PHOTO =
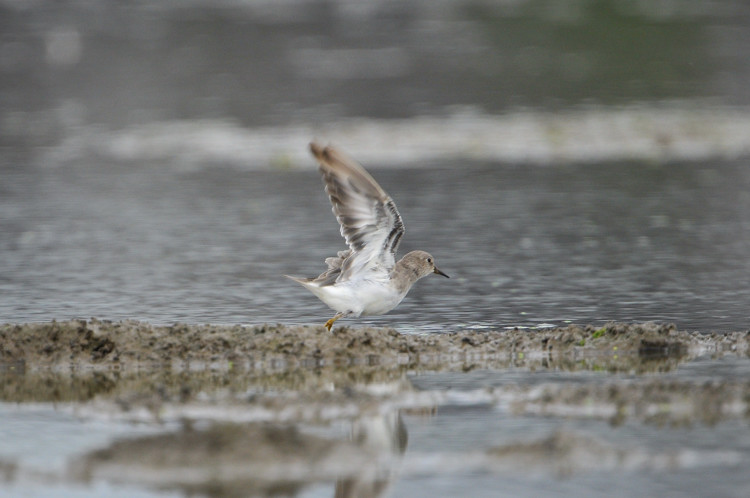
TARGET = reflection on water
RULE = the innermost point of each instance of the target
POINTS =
(380, 431)
(249, 460)
(385, 433)
(588, 244)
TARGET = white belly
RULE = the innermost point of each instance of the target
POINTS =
(363, 297)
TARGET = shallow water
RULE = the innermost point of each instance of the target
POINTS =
(155, 167)
(524, 246)
(524, 429)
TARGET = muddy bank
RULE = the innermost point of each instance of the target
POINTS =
(273, 410)
(130, 344)
(137, 371)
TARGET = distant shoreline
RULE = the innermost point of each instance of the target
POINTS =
(663, 132)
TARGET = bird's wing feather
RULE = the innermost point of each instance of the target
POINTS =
(370, 222)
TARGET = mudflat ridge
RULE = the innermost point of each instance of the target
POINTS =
(123, 344)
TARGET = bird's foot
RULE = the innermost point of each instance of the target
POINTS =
(329, 323)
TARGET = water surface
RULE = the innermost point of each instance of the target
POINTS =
(524, 245)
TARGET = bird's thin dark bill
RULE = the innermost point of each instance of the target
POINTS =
(439, 272)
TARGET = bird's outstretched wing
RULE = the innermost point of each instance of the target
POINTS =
(370, 222)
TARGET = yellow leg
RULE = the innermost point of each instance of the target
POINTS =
(329, 323)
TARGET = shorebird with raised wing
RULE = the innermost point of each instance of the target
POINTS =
(365, 279)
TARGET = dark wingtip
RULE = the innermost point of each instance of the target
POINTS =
(316, 149)
(320, 152)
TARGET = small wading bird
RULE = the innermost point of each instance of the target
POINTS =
(365, 279)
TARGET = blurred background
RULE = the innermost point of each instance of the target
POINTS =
(155, 166)
(72, 69)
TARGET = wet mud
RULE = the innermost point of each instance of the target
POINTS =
(130, 344)
(258, 410)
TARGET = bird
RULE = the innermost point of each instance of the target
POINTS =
(364, 279)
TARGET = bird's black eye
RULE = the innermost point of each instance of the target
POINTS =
(429, 260)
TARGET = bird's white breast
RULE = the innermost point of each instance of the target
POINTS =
(363, 297)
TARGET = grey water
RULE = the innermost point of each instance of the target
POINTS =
(524, 246)
(85, 231)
